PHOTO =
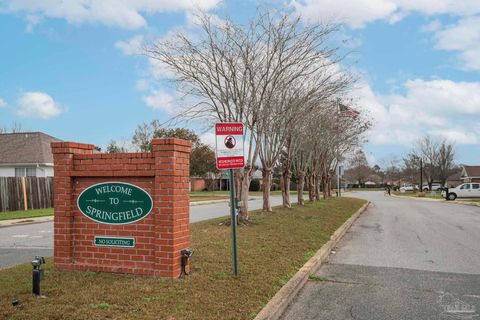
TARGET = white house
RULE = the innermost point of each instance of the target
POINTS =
(26, 154)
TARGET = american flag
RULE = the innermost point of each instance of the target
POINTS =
(347, 111)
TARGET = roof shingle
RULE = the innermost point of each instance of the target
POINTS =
(472, 171)
(26, 147)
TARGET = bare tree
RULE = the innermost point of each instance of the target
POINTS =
(15, 127)
(116, 147)
(242, 73)
(446, 161)
(428, 149)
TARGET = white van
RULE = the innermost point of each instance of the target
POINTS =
(466, 190)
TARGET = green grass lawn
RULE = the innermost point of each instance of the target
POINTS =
(437, 195)
(8, 215)
(271, 249)
(366, 189)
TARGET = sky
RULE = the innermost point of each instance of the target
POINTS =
(74, 69)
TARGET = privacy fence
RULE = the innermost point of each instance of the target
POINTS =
(23, 193)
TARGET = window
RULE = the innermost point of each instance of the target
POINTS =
(476, 186)
(19, 172)
(466, 186)
(25, 172)
(31, 172)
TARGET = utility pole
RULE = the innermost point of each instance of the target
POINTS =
(421, 174)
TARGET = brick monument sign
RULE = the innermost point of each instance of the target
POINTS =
(121, 212)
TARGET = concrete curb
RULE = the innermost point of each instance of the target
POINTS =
(458, 202)
(25, 221)
(276, 307)
(199, 203)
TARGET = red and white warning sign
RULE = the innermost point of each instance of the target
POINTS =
(229, 145)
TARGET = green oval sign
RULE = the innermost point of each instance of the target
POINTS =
(115, 203)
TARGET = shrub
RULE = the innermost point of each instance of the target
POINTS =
(254, 185)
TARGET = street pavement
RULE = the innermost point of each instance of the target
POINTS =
(20, 243)
(402, 259)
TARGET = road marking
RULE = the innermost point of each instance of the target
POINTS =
(45, 231)
(20, 236)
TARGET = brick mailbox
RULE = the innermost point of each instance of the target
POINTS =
(121, 212)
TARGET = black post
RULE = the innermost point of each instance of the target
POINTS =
(36, 277)
(421, 174)
(233, 218)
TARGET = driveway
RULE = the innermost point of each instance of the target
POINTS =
(402, 259)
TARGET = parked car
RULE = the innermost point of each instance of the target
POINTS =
(435, 187)
(465, 190)
(408, 187)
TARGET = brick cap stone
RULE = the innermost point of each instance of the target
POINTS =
(83, 146)
(172, 141)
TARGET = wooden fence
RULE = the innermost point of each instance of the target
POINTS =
(21, 193)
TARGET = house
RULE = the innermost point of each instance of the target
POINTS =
(470, 174)
(454, 180)
(26, 154)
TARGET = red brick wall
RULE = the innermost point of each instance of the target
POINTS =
(159, 237)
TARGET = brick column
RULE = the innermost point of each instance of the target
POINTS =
(171, 200)
(63, 198)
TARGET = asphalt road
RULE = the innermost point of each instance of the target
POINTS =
(20, 243)
(402, 259)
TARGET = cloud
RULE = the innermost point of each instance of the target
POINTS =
(2, 103)
(463, 37)
(357, 13)
(37, 105)
(209, 138)
(132, 46)
(113, 13)
(441, 108)
(160, 100)
(32, 21)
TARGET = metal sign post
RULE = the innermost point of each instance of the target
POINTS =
(233, 221)
(229, 153)
(339, 174)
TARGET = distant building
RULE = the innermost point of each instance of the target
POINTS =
(470, 174)
(454, 180)
(26, 154)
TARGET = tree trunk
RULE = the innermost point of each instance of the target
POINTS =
(324, 187)
(267, 184)
(300, 187)
(244, 185)
(329, 185)
(285, 184)
(317, 187)
(311, 187)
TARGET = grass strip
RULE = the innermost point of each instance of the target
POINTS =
(8, 215)
(271, 250)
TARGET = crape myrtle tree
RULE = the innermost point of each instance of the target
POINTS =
(307, 99)
(326, 136)
(241, 73)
